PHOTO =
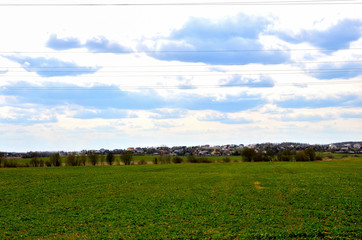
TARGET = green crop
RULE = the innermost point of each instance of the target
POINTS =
(275, 200)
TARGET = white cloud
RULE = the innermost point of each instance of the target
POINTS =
(168, 108)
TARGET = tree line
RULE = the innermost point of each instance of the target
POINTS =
(261, 155)
(92, 158)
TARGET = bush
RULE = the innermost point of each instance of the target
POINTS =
(83, 159)
(110, 158)
(330, 156)
(155, 161)
(10, 164)
(285, 156)
(191, 158)
(41, 163)
(35, 161)
(203, 160)
(301, 156)
(94, 158)
(248, 154)
(102, 159)
(142, 162)
(177, 159)
(126, 157)
(48, 163)
(165, 159)
(226, 160)
(72, 160)
(311, 154)
(55, 160)
(2, 158)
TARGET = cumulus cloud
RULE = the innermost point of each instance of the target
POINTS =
(338, 36)
(98, 44)
(112, 97)
(103, 45)
(333, 70)
(233, 40)
(331, 101)
(62, 43)
(258, 82)
(225, 118)
(51, 67)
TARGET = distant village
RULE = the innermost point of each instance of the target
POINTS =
(207, 150)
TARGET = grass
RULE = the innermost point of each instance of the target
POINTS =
(221, 201)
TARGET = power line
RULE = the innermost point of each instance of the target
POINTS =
(179, 65)
(183, 51)
(180, 87)
(207, 71)
(193, 73)
(222, 3)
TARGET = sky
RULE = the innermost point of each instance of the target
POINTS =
(115, 74)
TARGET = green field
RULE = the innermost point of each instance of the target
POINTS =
(275, 200)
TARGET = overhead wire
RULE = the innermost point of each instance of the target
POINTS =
(181, 51)
(209, 3)
(179, 87)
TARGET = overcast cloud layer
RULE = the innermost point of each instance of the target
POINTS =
(149, 76)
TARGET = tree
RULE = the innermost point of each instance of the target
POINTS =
(55, 160)
(261, 156)
(300, 156)
(93, 157)
(83, 159)
(285, 156)
(248, 154)
(270, 154)
(310, 154)
(177, 159)
(110, 158)
(72, 160)
(126, 157)
(2, 158)
(34, 160)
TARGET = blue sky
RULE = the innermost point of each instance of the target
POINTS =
(116, 77)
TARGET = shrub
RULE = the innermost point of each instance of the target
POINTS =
(270, 154)
(110, 158)
(248, 154)
(226, 160)
(48, 163)
(55, 160)
(301, 156)
(41, 163)
(330, 156)
(2, 158)
(94, 158)
(203, 160)
(142, 162)
(72, 160)
(10, 164)
(155, 161)
(285, 156)
(83, 159)
(191, 158)
(35, 161)
(165, 159)
(176, 159)
(102, 159)
(126, 157)
(311, 154)
(261, 156)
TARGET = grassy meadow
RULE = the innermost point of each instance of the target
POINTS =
(271, 200)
